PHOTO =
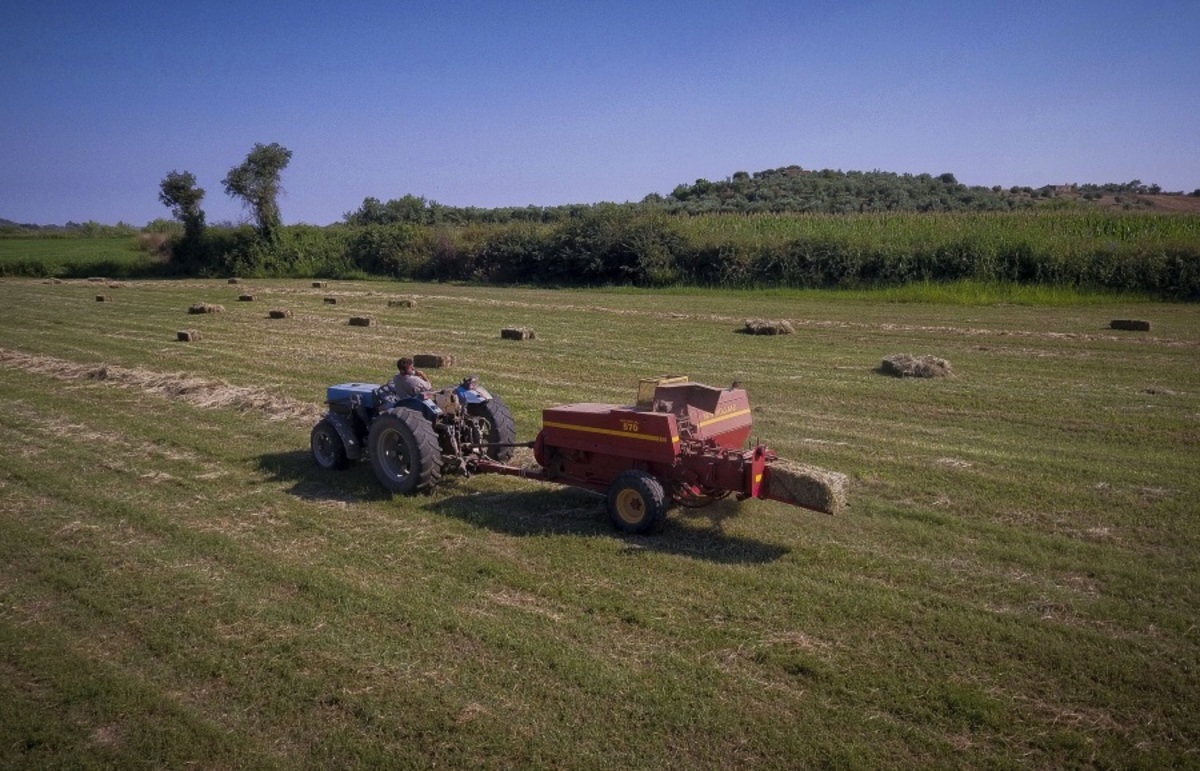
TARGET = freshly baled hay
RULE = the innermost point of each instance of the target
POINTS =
(187, 335)
(433, 360)
(807, 486)
(279, 313)
(1131, 325)
(906, 365)
(402, 303)
(517, 333)
(769, 327)
(206, 308)
(362, 321)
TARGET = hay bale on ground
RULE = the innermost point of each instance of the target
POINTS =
(318, 285)
(279, 313)
(807, 486)
(103, 298)
(768, 327)
(906, 365)
(401, 304)
(206, 308)
(187, 335)
(246, 298)
(1131, 325)
(362, 321)
(97, 279)
(433, 360)
(517, 333)
(331, 301)
(235, 281)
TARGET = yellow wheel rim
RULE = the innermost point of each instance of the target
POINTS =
(630, 507)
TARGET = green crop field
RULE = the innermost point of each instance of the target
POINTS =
(49, 256)
(1015, 584)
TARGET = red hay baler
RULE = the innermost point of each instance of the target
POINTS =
(682, 443)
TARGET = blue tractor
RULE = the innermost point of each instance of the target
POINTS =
(412, 441)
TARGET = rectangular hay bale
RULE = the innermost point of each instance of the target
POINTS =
(401, 304)
(103, 298)
(246, 298)
(187, 335)
(1130, 325)
(806, 486)
(517, 333)
(362, 321)
(205, 308)
(279, 313)
(318, 285)
(331, 301)
(433, 360)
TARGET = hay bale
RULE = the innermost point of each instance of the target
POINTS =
(206, 308)
(279, 313)
(401, 304)
(318, 285)
(433, 360)
(235, 281)
(246, 298)
(187, 335)
(103, 298)
(806, 486)
(362, 321)
(906, 365)
(115, 285)
(768, 327)
(1131, 325)
(331, 301)
(517, 333)
(97, 279)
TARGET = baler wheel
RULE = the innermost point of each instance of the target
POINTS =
(404, 451)
(637, 503)
(328, 450)
(500, 427)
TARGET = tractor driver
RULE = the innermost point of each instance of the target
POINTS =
(409, 381)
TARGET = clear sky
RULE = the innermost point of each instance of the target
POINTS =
(497, 103)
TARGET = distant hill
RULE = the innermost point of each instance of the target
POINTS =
(795, 189)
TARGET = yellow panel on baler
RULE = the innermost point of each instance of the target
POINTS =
(621, 431)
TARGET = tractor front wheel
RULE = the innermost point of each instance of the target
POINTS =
(328, 450)
(404, 451)
(637, 503)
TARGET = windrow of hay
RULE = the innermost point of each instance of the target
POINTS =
(807, 486)
(907, 365)
(768, 327)
(208, 394)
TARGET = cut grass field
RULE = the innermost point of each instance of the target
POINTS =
(1014, 585)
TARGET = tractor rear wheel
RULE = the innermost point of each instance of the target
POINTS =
(637, 502)
(404, 451)
(499, 428)
(328, 450)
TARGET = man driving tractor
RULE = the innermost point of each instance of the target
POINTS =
(409, 381)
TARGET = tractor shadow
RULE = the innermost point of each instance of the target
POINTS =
(310, 483)
(541, 510)
(569, 511)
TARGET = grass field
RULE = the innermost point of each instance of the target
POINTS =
(74, 256)
(1014, 585)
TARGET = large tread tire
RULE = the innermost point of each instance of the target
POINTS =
(404, 451)
(637, 503)
(502, 429)
(328, 449)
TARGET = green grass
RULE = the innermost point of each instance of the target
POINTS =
(76, 256)
(1015, 583)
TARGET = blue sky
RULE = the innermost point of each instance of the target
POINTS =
(516, 103)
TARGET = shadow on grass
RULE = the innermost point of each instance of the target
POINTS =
(539, 511)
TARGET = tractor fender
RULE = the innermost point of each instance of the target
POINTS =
(476, 395)
(427, 407)
(346, 432)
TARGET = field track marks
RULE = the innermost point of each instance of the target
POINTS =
(207, 394)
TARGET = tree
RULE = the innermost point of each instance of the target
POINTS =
(256, 182)
(178, 191)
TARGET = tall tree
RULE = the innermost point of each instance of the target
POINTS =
(178, 191)
(256, 182)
